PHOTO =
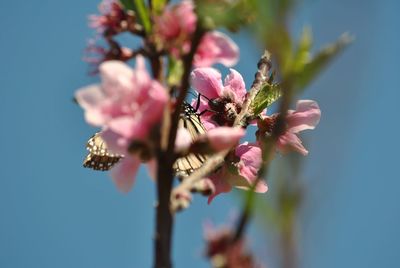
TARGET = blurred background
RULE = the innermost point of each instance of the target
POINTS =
(54, 213)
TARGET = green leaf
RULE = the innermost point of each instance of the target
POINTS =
(312, 69)
(280, 44)
(140, 8)
(175, 67)
(127, 4)
(158, 6)
(265, 97)
(302, 54)
(229, 14)
(143, 12)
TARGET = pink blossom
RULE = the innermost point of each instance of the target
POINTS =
(216, 47)
(128, 102)
(174, 30)
(124, 173)
(112, 14)
(222, 101)
(208, 82)
(223, 138)
(177, 22)
(240, 174)
(126, 105)
(306, 116)
(218, 139)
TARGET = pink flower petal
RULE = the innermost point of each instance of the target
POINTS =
(306, 116)
(116, 77)
(176, 21)
(185, 12)
(128, 127)
(220, 185)
(124, 172)
(250, 160)
(207, 81)
(155, 102)
(291, 141)
(248, 166)
(261, 187)
(223, 182)
(90, 98)
(141, 79)
(216, 47)
(223, 138)
(234, 83)
(116, 143)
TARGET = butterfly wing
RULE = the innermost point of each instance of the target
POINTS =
(190, 120)
(99, 157)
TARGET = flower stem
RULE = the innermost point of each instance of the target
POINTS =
(164, 217)
(166, 158)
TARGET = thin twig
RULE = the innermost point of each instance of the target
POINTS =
(156, 65)
(164, 216)
(184, 86)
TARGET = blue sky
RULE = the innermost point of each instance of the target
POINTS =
(54, 213)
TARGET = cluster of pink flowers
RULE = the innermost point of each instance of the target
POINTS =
(128, 104)
(110, 18)
(223, 102)
(172, 32)
(174, 29)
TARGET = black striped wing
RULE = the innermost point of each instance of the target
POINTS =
(190, 120)
(99, 157)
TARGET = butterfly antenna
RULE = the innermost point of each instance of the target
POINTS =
(198, 103)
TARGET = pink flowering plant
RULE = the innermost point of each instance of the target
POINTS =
(144, 115)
